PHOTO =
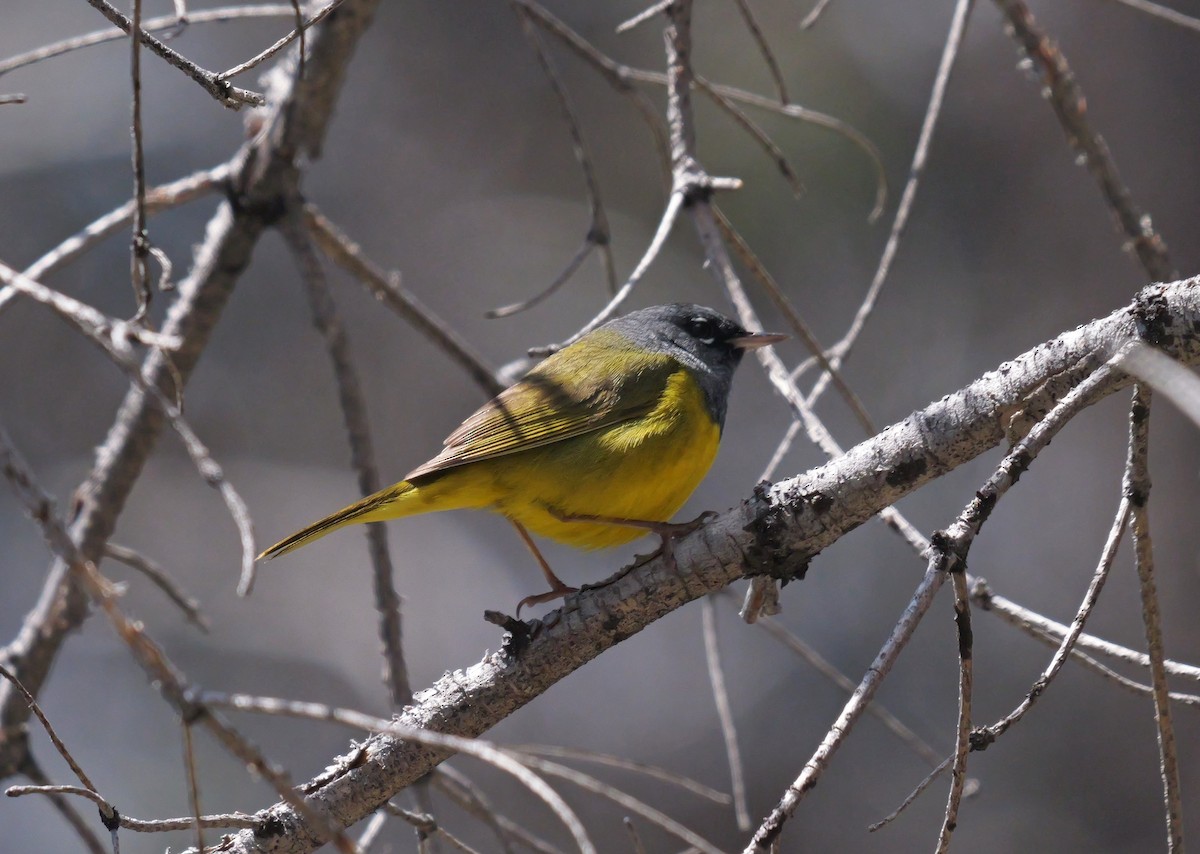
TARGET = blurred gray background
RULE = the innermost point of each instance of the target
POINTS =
(449, 161)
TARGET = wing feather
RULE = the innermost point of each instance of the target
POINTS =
(565, 396)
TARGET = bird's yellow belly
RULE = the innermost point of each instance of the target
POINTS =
(643, 469)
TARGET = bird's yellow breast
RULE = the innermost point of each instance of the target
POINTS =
(643, 469)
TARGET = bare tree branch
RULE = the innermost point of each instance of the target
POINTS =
(776, 531)
(263, 172)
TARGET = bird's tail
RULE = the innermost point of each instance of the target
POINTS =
(373, 508)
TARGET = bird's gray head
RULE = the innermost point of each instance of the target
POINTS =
(702, 339)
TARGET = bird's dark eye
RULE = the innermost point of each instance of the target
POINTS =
(702, 328)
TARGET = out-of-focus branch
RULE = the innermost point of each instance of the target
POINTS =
(387, 289)
(179, 192)
(263, 173)
(1070, 105)
(776, 531)
(211, 82)
(362, 451)
(150, 25)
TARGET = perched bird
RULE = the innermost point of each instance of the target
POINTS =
(599, 443)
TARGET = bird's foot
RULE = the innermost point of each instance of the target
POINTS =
(666, 531)
(548, 596)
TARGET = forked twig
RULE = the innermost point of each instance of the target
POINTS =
(110, 333)
(211, 82)
(150, 25)
(297, 33)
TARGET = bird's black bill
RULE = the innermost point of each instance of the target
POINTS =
(757, 339)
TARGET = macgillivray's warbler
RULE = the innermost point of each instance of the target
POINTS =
(600, 442)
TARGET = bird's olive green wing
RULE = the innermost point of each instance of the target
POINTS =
(577, 390)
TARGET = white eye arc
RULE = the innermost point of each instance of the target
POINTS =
(702, 329)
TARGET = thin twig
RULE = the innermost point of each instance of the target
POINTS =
(810, 20)
(1089, 663)
(966, 678)
(297, 33)
(716, 678)
(206, 466)
(634, 838)
(509, 309)
(950, 51)
(1157, 10)
(599, 233)
(652, 771)
(591, 784)
(70, 815)
(763, 48)
(794, 111)
(665, 224)
(150, 25)
(193, 784)
(388, 290)
(803, 331)
(467, 795)
(937, 771)
(502, 759)
(160, 825)
(982, 738)
(823, 666)
(427, 826)
(110, 333)
(772, 826)
(179, 192)
(1070, 105)
(1136, 487)
(158, 576)
(374, 827)
(211, 82)
(616, 75)
(139, 247)
(643, 16)
(1037, 625)
(362, 453)
(1166, 376)
(162, 672)
(46, 725)
(757, 134)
